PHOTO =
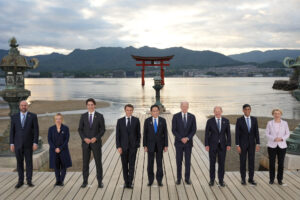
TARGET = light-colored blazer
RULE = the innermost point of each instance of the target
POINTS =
(272, 133)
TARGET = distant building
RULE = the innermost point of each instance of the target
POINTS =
(130, 74)
(188, 74)
(57, 74)
(119, 74)
(31, 74)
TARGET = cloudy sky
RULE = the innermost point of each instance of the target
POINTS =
(225, 26)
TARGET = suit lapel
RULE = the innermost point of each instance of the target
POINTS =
(94, 120)
(245, 124)
(28, 116)
(19, 119)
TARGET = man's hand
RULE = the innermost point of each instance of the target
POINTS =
(34, 147)
(228, 148)
(87, 140)
(165, 149)
(184, 140)
(146, 149)
(257, 148)
(207, 148)
(238, 148)
(57, 150)
(12, 148)
(93, 140)
(120, 150)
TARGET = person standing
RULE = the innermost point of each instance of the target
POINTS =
(247, 141)
(59, 155)
(217, 142)
(24, 137)
(277, 132)
(128, 136)
(184, 129)
(91, 129)
(155, 141)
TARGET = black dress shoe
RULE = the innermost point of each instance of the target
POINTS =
(252, 182)
(84, 184)
(61, 184)
(57, 183)
(100, 185)
(30, 184)
(243, 182)
(19, 185)
(130, 186)
(222, 184)
(280, 183)
(178, 182)
(188, 182)
(160, 184)
(271, 182)
(211, 183)
(149, 183)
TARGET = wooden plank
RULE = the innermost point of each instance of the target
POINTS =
(67, 187)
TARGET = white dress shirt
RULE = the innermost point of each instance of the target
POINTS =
(126, 120)
(93, 114)
(156, 120)
(182, 114)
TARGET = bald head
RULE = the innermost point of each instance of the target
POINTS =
(23, 106)
(184, 106)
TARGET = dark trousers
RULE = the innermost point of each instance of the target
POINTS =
(86, 155)
(22, 153)
(159, 173)
(280, 153)
(128, 163)
(187, 150)
(250, 150)
(213, 154)
(60, 170)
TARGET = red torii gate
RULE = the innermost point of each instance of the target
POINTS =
(152, 61)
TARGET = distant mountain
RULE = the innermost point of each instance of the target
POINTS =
(266, 56)
(3, 53)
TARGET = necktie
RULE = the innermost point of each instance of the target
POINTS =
(184, 120)
(23, 120)
(128, 122)
(219, 125)
(91, 120)
(248, 124)
(155, 126)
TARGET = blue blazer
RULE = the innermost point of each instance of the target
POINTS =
(180, 132)
(242, 137)
(24, 137)
(64, 154)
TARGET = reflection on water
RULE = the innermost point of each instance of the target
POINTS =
(202, 93)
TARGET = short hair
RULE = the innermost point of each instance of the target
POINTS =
(246, 106)
(58, 114)
(128, 105)
(154, 106)
(183, 102)
(23, 101)
(275, 110)
(90, 100)
(218, 107)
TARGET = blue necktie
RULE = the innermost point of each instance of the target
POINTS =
(219, 126)
(248, 124)
(155, 126)
(184, 120)
(23, 120)
(91, 120)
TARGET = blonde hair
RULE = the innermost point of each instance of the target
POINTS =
(276, 109)
(58, 114)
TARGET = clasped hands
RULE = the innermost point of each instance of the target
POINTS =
(90, 141)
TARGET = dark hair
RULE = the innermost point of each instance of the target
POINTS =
(246, 106)
(90, 100)
(154, 106)
(128, 105)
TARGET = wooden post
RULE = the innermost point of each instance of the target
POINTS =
(162, 73)
(143, 73)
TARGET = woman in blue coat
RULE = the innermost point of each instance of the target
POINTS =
(58, 139)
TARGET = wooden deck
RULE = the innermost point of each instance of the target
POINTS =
(113, 180)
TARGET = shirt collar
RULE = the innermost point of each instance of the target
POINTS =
(127, 117)
(23, 113)
(247, 117)
(91, 113)
(218, 118)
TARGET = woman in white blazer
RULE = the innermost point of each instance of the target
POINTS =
(277, 132)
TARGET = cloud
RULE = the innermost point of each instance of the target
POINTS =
(230, 26)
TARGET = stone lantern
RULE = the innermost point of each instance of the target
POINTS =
(158, 86)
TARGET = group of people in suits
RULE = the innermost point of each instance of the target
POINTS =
(24, 135)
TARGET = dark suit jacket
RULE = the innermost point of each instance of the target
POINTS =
(24, 137)
(64, 154)
(180, 132)
(127, 140)
(160, 138)
(97, 130)
(242, 137)
(212, 135)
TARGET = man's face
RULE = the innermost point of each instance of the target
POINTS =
(155, 112)
(218, 112)
(184, 107)
(247, 111)
(23, 106)
(90, 106)
(128, 111)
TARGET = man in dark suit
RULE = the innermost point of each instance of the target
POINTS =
(183, 128)
(91, 129)
(24, 136)
(247, 141)
(128, 136)
(217, 142)
(155, 141)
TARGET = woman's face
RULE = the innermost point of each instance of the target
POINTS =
(277, 115)
(58, 120)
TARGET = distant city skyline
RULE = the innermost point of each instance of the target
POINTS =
(228, 27)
